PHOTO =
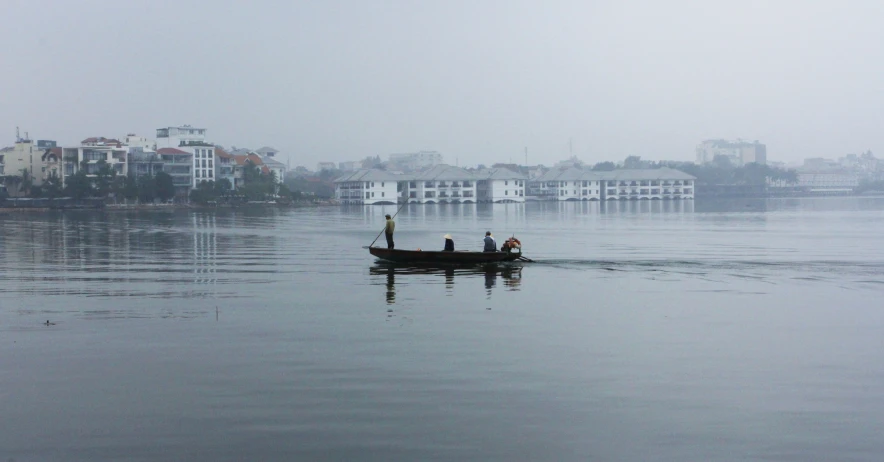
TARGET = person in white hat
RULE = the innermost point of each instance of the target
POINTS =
(449, 243)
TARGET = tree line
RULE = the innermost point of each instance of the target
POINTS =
(106, 182)
(719, 172)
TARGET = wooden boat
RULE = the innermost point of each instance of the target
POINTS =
(433, 256)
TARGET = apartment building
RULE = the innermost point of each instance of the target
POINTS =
(500, 185)
(368, 187)
(442, 184)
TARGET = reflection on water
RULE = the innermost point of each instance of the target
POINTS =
(511, 274)
(126, 254)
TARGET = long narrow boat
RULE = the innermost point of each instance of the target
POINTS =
(433, 256)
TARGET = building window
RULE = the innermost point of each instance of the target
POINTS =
(367, 195)
(372, 184)
(506, 183)
(382, 194)
(372, 194)
(506, 193)
(382, 184)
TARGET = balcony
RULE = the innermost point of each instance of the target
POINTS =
(443, 184)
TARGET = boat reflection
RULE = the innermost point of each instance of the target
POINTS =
(510, 273)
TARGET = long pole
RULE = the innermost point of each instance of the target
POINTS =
(385, 225)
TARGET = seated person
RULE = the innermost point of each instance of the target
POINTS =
(449, 244)
(490, 243)
(509, 244)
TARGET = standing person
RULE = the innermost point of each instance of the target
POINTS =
(388, 231)
(449, 243)
(490, 243)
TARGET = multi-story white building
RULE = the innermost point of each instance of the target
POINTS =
(415, 160)
(203, 160)
(179, 165)
(738, 152)
(833, 181)
(134, 141)
(567, 184)
(442, 184)
(500, 185)
(91, 152)
(367, 187)
(576, 184)
(646, 184)
(172, 137)
(225, 167)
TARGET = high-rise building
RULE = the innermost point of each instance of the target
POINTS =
(738, 152)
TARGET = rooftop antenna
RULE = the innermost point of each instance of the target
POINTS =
(526, 155)
(17, 137)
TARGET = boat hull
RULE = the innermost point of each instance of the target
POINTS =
(432, 256)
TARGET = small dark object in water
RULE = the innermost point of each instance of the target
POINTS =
(49, 323)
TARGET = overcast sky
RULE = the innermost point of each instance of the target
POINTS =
(476, 80)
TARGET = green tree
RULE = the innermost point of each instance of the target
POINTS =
(104, 177)
(78, 185)
(130, 187)
(165, 187)
(223, 187)
(147, 189)
(604, 166)
(26, 182)
(52, 186)
(204, 192)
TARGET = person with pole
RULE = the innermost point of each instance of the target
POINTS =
(388, 231)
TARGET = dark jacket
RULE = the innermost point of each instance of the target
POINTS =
(449, 246)
(490, 244)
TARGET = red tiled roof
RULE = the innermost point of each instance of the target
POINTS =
(222, 153)
(171, 151)
(264, 169)
(253, 158)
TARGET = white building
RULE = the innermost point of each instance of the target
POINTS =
(91, 152)
(203, 160)
(325, 166)
(172, 137)
(500, 185)
(442, 184)
(277, 167)
(367, 187)
(134, 141)
(647, 184)
(738, 152)
(573, 184)
(266, 152)
(576, 184)
(415, 160)
(833, 181)
(179, 165)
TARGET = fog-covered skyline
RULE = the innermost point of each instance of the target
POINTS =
(476, 81)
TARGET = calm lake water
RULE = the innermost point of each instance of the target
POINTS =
(746, 330)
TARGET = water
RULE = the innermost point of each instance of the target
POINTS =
(748, 330)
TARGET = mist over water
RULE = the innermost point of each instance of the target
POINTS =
(741, 330)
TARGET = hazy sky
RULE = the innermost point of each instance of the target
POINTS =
(476, 80)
